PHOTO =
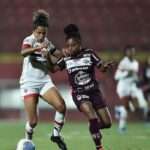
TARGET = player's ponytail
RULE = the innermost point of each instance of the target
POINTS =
(72, 31)
(40, 18)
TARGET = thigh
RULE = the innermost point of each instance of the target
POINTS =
(87, 108)
(97, 100)
(135, 103)
(30, 96)
(123, 89)
(125, 101)
(104, 115)
(53, 97)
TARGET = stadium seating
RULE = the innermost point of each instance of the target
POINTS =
(104, 23)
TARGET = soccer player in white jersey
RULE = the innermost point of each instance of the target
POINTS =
(35, 83)
(131, 96)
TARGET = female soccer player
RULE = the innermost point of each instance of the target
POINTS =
(35, 83)
(127, 89)
(80, 63)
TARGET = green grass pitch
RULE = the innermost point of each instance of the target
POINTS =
(77, 136)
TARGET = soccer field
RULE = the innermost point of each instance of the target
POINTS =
(77, 137)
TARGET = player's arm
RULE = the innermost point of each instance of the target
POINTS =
(106, 66)
(55, 52)
(55, 64)
(58, 53)
(128, 69)
(100, 64)
(28, 49)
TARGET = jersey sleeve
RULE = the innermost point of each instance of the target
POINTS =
(61, 63)
(27, 43)
(96, 59)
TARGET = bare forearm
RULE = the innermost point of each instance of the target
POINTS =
(58, 53)
(52, 63)
(28, 51)
(106, 66)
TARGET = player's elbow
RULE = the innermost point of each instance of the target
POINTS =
(23, 53)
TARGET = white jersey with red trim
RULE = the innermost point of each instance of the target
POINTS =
(29, 73)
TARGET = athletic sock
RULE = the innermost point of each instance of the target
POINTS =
(58, 123)
(122, 119)
(29, 131)
(95, 133)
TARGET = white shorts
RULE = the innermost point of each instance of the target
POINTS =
(127, 89)
(31, 88)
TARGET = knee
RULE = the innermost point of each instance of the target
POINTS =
(61, 108)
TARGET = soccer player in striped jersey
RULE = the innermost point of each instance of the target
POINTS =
(35, 83)
(80, 64)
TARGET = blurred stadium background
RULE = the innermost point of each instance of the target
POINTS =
(106, 26)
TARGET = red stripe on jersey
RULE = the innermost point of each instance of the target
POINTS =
(31, 95)
(26, 46)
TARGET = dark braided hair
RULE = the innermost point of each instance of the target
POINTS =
(72, 31)
(40, 18)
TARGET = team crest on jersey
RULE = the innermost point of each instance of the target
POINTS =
(82, 78)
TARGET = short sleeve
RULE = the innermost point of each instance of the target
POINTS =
(96, 59)
(61, 63)
(27, 43)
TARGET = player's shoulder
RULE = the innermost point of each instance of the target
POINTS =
(125, 59)
(135, 61)
(29, 38)
(89, 50)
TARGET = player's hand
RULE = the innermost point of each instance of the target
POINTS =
(44, 52)
(41, 46)
(44, 44)
(108, 66)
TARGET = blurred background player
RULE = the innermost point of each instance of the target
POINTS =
(80, 64)
(145, 84)
(130, 94)
(35, 83)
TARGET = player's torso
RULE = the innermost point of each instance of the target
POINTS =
(128, 64)
(81, 71)
(29, 73)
